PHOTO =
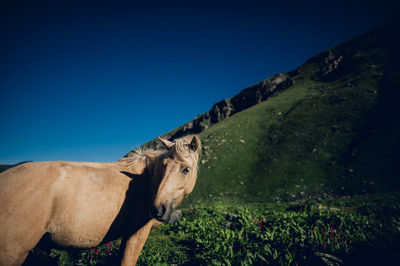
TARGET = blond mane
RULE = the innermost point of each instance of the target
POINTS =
(140, 156)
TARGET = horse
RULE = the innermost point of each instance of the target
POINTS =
(82, 204)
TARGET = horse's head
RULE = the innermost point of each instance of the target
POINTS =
(174, 175)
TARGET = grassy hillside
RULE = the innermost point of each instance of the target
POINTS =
(334, 132)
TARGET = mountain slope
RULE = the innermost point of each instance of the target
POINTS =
(329, 127)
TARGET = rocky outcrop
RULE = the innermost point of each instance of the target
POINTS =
(226, 108)
(331, 62)
(325, 66)
(260, 92)
(345, 58)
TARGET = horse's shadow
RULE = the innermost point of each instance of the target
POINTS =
(135, 210)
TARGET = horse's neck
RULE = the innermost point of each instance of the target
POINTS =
(136, 168)
(142, 174)
(140, 162)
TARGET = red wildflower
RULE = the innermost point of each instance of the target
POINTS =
(323, 244)
(109, 253)
(338, 234)
(331, 230)
(314, 231)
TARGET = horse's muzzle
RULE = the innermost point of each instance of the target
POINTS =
(161, 212)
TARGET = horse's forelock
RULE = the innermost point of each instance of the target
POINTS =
(181, 150)
(182, 147)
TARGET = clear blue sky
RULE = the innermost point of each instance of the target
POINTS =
(90, 80)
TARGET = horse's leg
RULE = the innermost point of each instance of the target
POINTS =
(134, 245)
(21, 258)
(15, 258)
(16, 247)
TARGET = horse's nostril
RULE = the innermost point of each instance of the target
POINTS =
(161, 210)
(158, 211)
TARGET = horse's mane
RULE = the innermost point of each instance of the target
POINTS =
(140, 155)
(147, 156)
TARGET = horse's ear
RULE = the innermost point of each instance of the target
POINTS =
(168, 144)
(195, 144)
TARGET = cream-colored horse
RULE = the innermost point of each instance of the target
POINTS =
(83, 204)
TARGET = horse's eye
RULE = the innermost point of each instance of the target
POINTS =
(186, 170)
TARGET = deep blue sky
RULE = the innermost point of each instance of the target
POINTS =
(90, 80)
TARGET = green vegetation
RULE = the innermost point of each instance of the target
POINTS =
(350, 230)
(257, 234)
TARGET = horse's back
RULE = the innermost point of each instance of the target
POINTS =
(89, 197)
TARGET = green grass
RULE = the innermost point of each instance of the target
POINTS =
(316, 139)
(349, 229)
(363, 229)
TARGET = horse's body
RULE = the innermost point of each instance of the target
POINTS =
(84, 204)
